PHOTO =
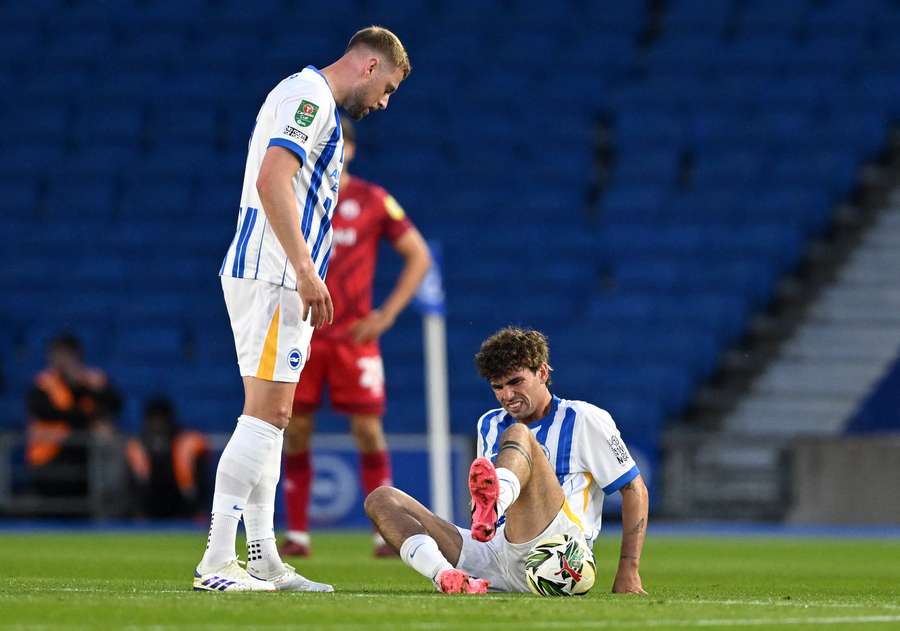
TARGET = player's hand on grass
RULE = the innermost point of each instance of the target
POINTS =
(370, 327)
(315, 297)
(628, 582)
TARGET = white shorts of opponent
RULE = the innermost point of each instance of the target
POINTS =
(271, 340)
(502, 562)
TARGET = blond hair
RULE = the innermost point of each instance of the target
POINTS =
(383, 41)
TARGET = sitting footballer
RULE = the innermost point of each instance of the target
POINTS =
(544, 466)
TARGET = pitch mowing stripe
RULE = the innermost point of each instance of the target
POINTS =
(582, 624)
(805, 604)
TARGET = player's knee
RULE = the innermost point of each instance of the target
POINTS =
(517, 432)
(381, 500)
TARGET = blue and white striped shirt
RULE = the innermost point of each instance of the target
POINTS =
(300, 115)
(584, 447)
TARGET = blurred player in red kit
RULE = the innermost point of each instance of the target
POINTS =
(345, 355)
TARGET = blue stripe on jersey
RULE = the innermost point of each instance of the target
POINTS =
(621, 481)
(541, 435)
(252, 212)
(240, 241)
(324, 228)
(312, 195)
(259, 250)
(293, 147)
(323, 268)
(564, 446)
(486, 425)
(233, 239)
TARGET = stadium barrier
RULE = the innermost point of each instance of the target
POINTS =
(336, 498)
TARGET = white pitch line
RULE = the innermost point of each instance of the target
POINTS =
(500, 596)
(779, 603)
(703, 622)
(587, 624)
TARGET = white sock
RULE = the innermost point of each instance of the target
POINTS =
(421, 553)
(240, 469)
(299, 536)
(509, 489)
(263, 559)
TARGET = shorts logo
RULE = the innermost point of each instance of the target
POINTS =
(305, 113)
(295, 358)
(293, 132)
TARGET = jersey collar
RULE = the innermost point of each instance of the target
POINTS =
(319, 72)
(551, 414)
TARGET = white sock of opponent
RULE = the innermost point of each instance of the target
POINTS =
(421, 553)
(239, 470)
(509, 489)
(263, 560)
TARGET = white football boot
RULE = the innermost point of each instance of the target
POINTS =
(291, 581)
(230, 578)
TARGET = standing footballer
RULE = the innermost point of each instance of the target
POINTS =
(273, 281)
(346, 355)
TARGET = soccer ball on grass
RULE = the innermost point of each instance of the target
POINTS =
(560, 565)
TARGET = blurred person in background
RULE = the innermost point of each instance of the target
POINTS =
(69, 406)
(169, 465)
(346, 356)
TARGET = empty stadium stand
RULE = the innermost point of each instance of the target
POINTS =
(734, 129)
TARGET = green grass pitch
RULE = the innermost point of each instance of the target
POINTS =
(144, 580)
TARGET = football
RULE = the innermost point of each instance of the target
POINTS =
(560, 565)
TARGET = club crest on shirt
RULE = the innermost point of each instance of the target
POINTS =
(618, 449)
(305, 113)
(349, 209)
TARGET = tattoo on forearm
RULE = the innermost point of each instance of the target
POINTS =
(511, 444)
(638, 527)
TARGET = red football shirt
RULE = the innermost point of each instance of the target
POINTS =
(364, 214)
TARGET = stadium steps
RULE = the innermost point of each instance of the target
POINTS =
(848, 338)
(860, 311)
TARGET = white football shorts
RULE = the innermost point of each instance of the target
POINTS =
(502, 562)
(272, 342)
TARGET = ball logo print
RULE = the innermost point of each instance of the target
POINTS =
(295, 359)
(559, 565)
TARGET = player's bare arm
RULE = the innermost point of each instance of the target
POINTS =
(417, 259)
(635, 507)
(279, 202)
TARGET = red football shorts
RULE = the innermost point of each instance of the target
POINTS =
(353, 372)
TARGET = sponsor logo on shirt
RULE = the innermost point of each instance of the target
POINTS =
(349, 209)
(618, 449)
(293, 132)
(305, 113)
(345, 236)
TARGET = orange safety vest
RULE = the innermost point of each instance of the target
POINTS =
(46, 436)
(186, 448)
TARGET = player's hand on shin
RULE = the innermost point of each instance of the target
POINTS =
(370, 327)
(315, 297)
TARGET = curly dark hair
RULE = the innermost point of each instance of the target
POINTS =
(511, 349)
